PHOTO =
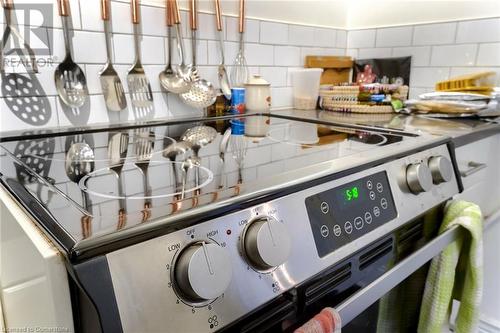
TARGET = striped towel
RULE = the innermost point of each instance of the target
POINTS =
(327, 321)
(456, 273)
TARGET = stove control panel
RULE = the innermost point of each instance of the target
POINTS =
(342, 214)
(206, 276)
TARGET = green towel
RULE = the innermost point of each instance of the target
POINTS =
(457, 273)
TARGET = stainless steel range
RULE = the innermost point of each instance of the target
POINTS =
(187, 227)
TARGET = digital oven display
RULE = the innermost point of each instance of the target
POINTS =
(345, 213)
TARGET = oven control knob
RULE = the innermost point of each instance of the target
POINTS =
(203, 271)
(441, 169)
(266, 243)
(419, 178)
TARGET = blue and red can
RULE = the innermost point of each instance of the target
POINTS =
(237, 108)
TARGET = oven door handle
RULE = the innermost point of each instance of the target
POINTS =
(361, 300)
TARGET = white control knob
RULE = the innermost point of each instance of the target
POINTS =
(441, 169)
(419, 178)
(266, 243)
(203, 271)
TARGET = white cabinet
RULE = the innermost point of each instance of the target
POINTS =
(34, 289)
(480, 161)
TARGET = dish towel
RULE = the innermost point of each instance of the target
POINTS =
(456, 273)
(327, 321)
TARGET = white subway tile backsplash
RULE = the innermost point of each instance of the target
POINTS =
(206, 26)
(250, 34)
(271, 49)
(361, 38)
(428, 76)
(120, 17)
(433, 34)
(489, 55)
(153, 50)
(259, 54)
(300, 35)
(153, 21)
(420, 55)
(276, 76)
(230, 51)
(454, 55)
(273, 33)
(287, 56)
(124, 49)
(479, 31)
(379, 52)
(89, 47)
(400, 36)
(324, 37)
(91, 20)
(281, 97)
(353, 53)
(341, 38)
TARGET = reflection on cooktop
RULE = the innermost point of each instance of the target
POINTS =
(98, 183)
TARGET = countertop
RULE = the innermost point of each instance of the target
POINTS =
(461, 130)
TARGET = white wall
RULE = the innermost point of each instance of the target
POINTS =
(356, 14)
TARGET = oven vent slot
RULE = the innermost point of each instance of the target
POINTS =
(408, 236)
(374, 254)
(327, 283)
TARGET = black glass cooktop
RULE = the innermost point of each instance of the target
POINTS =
(93, 184)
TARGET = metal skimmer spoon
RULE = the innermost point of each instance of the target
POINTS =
(202, 92)
(138, 83)
(199, 136)
(170, 80)
(80, 161)
(222, 73)
(112, 87)
(70, 80)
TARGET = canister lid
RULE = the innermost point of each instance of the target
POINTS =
(257, 80)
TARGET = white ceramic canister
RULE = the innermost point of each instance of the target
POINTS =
(257, 94)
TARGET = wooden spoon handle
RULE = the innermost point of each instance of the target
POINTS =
(218, 17)
(169, 11)
(193, 15)
(7, 4)
(63, 6)
(242, 16)
(177, 14)
(105, 8)
(136, 15)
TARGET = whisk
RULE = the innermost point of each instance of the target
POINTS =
(239, 150)
(239, 72)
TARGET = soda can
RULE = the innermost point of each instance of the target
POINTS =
(237, 101)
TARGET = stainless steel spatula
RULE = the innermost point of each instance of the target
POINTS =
(111, 85)
(138, 83)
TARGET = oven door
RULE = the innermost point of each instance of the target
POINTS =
(391, 303)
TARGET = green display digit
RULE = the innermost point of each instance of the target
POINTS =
(355, 192)
(348, 195)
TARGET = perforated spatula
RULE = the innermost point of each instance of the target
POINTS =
(138, 83)
(70, 80)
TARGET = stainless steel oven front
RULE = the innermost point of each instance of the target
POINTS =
(343, 243)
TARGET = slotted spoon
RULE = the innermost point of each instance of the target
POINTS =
(169, 79)
(112, 87)
(70, 80)
(202, 93)
(139, 88)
